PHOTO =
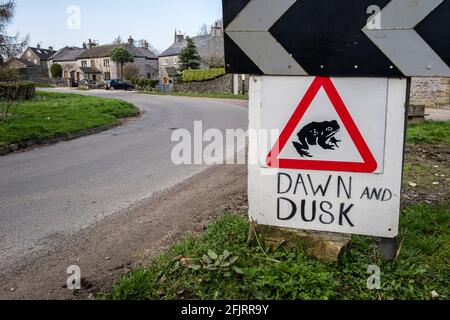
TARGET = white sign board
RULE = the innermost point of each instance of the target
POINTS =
(335, 160)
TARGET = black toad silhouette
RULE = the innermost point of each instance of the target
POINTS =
(317, 133)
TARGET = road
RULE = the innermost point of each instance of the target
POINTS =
(60, 189)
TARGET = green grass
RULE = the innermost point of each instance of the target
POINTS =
(51, 115)
(430, 132)
(43, 85)
(199, 95)
(422, 266)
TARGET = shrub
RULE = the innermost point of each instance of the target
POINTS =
(14, 91)
(56, 70)
(202, 75)
(144, 84)
(9, 75)
(17, 91)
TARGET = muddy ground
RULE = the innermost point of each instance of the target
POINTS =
(129, 239)
(426, 174)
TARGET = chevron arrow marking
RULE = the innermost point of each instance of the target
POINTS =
(398, 40)
(250, 31)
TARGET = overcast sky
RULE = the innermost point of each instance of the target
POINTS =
(48, 21)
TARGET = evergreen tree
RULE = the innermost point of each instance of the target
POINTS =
(121, 56)
(56, 70)
(189, 57)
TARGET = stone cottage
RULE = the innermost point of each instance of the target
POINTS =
(33, 64)
(67, 58)
(210, 48)
(95, 65)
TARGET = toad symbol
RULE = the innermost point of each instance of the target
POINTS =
(316, 133)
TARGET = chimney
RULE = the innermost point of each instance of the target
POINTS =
(84, 46)
(92, 44)
(130, 40)
(178, 36)
(145, 44)
(38, 46)
(216, 30)
(50, 48)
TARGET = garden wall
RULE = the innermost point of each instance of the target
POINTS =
(430, 93)
(220, 85)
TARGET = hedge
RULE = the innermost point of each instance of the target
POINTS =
(144, 83)
(202, 74)
(11, 91)
(56, 70)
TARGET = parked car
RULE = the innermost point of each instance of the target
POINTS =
(118, 85)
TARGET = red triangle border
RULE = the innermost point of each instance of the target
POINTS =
(369, 164)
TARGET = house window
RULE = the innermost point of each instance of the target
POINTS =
(92, 63)
(107, 76)
(65, 75)
(175, 60)
(106, 63)
(84, 64)
(165, 61)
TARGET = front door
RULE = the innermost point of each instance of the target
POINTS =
(72, 78)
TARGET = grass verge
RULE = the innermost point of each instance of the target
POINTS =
(430, 132)
(50, 115)
(221, 264)
(199, 95)
(247, 272)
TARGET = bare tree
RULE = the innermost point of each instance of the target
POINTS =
(154, 50)
(118, 40)
(204, 30)
(130, 71)
(214, 61)
(10, 46)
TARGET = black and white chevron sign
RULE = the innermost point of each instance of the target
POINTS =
(354, 38)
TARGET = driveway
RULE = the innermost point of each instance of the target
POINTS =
(60, 189)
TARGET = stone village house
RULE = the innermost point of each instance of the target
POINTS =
(93, 64)
(210, 48)
(33, 63)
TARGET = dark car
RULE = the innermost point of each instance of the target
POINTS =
(118, 85)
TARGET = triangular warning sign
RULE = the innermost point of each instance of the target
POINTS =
(305, 161)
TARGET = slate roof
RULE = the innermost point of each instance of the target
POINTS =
(43, 54)
(89, 70)
(206, 45)
(25, 62)
(105, 51)
(176, 47)
(172, 72)
(67, 54)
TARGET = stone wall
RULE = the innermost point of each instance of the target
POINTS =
(35, 74)
(221, 85)
(430, 92)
